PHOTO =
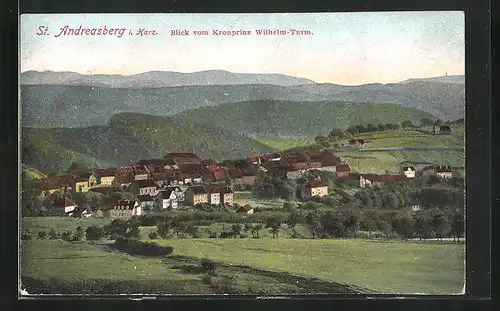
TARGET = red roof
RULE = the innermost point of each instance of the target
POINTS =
(244, 208)
(300, 166)
(125, 178)
(219, 174)
(318, 183)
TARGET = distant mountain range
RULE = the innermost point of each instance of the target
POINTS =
(68, 99)
(159, 79)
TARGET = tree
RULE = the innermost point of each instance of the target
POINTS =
(53, 235)
(381, 127)
(274, 224)
(353, 130)
(312, 219)
(439, 225)
(75, 167)
(26, 235)
(42, 235)
(291, 221)
(153, 235)
(368, 224)
(79, 233)
(256, 229)
(236, 230)
(66, 235)
(95, 233)
(322, 141)
(351, 221)
(371, 128)
(163, 229)
(406, 124)
(117, 228)
(403, 225)
(133, 233)
(457, 226)
(191, 229)
(336, 134)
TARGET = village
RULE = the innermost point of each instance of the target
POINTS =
(184, 179)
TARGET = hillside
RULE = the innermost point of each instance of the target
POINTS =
(273, 119)
(128, 137)
(159, 79)
(90, 103)
(79, 106)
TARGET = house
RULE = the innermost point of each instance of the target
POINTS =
(81, 184)
(62, 207)
(248, 177)
(220, 194)
(342, 170)
(234, 177)
(213, 194)
(196, 195)
(415, 207)
(123, 180)
(164, 178)
(315, 188)
(169, 198)
(145, 186)
(151, 163)
(247, 209)
(184, 158)
(409, 171)
(122, 209)
(270, 157)
(103, 176)
(146, 202)
(441, 129)
(328, 160)
(219, 172)
(49, 186)
(444, 172)
(141, 174)
(373, 180)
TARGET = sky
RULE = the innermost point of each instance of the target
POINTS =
(343, 48)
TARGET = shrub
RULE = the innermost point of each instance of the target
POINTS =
(53, 235)
(78, 235)
(208, 266)
(206, 279)
(95, 233)
(66, 235)
(42, 235)
(26, 235)
(153, 235)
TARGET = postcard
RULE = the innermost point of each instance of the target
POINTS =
(242, 154)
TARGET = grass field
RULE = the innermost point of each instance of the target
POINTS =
(60, 224)
(396, 267)
(379, 162)
(245, 197)
(269, 264)
(286, 142)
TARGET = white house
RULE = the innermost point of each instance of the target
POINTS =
(409, 171)
(444, 172)
(168, 198)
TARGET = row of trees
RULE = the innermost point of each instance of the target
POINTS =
(337, 134)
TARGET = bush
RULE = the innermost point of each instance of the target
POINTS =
(53, 235)
(42, 235)
(153, 235)
(95, 233)
(78, 235)
(208, 266)
(67, 235)
(26, 235)
(206, 279)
